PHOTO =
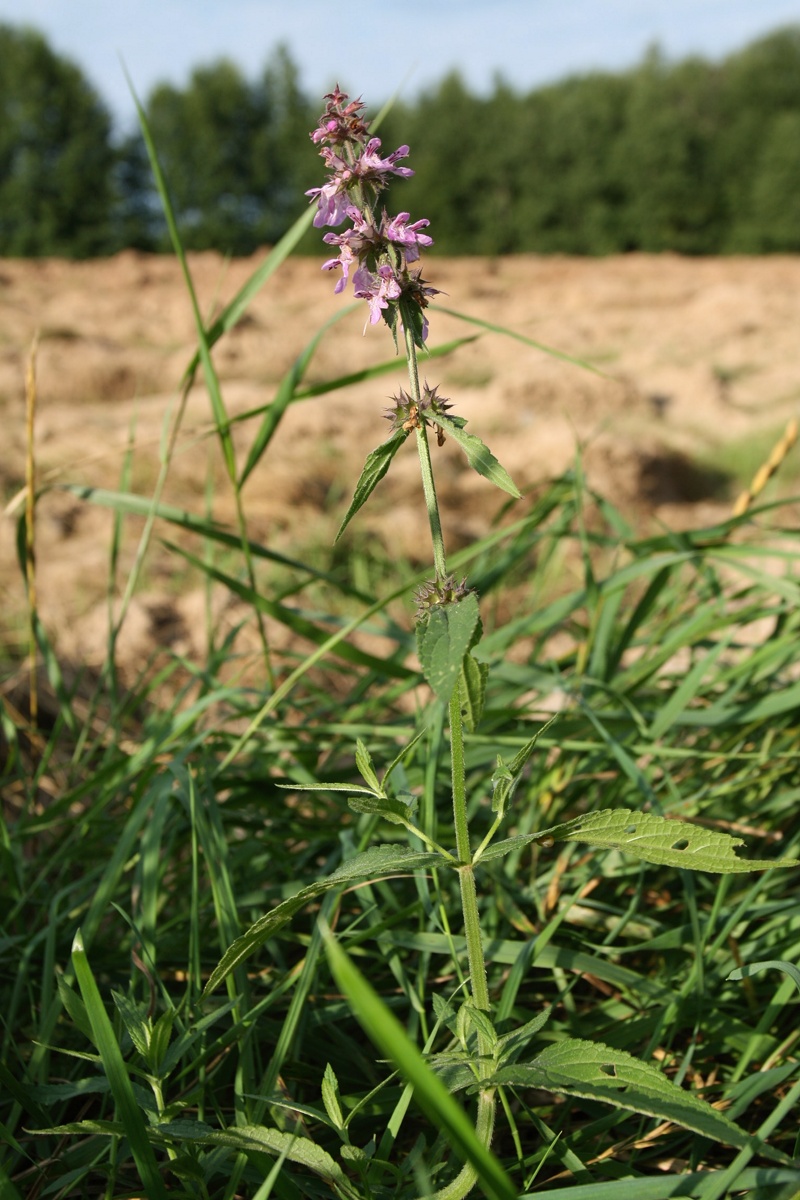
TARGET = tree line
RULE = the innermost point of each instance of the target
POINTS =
(690, 156)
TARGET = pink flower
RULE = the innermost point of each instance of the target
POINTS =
(397, 230)
(345, 259)
(377, 289)
(332, 203)
(370, 164)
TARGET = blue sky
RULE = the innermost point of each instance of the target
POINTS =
(376, 46)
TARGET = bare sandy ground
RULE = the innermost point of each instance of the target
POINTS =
(689, 354)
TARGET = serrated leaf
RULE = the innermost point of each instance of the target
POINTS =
(365, 767)
(375, 467)
(443, 640)
(472, 691)
(479, 456)
(376, 862)
(302, 1150)
(651, 838)
(137, 1025)
(388, 807)
(330, 1097)
(596, 1072)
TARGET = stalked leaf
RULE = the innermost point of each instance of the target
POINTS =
(394, 810)
(651, 838)
(597, 1072)
(479, 456)
(373, 863)
(377, 464)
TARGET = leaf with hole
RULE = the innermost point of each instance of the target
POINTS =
(593, 1071)
(651, 838)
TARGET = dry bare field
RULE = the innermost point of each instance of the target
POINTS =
(690, 355)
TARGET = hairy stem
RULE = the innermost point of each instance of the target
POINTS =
(425, 464)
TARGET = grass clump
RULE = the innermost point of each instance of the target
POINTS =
(468, 912)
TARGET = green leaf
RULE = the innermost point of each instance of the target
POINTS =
(398, 758)
(479, 456)
(330, 1097)
(373, 863)
(472, 691)
(772, 964)
(443, 639)
(365, 767)
(651, 838)
(511, 1045)
(596, 1072)
(249, 1138)
(386, 1032)
(137, 1025)
(391, 809)
(127, 1109)
(507, 775)
(377, 464)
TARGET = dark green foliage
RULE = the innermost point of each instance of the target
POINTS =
(691, 157)
(55, 153)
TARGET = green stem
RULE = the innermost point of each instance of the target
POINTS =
(425, 464)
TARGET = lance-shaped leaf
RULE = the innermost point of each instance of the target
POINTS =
(373, 863)
(443, 639)
(651, 838)
(244, 1139)
(391, 809)
(377, 464)
(597, 1072)
(479, 456)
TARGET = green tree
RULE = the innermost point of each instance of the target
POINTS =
(204, 137)
(56, 157)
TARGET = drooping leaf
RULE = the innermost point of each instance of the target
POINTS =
(472, 691)
(443, 639)
(772, 964)
(479, 456)
(394, 810)
(250, 1138)
(375, 467)
(651, 838)
(596, 1072)
(373, 863)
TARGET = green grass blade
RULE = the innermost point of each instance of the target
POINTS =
(431, 1095)
(128, 1110)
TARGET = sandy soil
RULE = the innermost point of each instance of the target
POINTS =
(691, 353)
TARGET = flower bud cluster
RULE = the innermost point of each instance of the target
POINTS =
(407, 415)
(439, 592)
(378, 250)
